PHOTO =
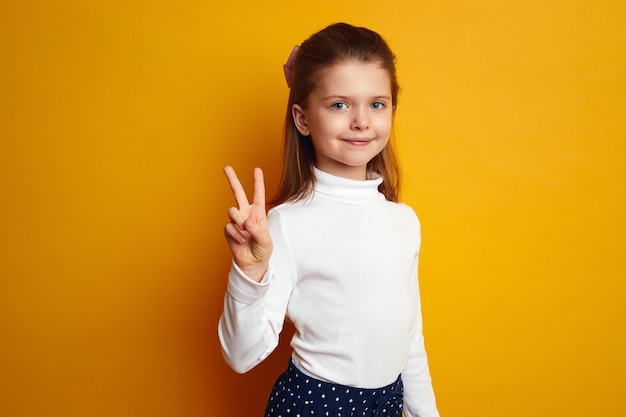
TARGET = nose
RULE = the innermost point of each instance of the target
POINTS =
(360, 120)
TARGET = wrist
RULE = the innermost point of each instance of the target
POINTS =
(255, 272)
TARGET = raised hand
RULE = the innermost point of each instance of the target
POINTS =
(247, 233)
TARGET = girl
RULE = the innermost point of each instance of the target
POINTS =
(337, 255)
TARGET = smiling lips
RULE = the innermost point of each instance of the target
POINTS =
(358, 141)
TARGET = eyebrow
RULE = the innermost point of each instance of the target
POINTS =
(381, 97)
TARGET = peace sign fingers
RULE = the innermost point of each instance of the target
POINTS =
(247, 233)
(237, 188)
(259, 188)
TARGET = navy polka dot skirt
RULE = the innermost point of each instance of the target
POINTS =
(298, 395)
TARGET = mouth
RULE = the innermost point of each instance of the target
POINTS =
(358, 141)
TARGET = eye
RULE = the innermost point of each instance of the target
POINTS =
(378, 105)
(340, 105)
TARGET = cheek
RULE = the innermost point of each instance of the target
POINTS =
(384, 126)
(384, 143)
(326, 127)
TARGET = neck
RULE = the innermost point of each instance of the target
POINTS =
(344, 171)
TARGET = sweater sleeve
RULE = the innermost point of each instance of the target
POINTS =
(254, 313)
(419, 397)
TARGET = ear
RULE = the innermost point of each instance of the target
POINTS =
(299, 119)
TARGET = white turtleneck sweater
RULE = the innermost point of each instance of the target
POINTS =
(344, 272)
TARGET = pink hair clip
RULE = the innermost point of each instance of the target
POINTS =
(288, 67)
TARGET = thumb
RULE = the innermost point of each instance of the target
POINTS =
(257, 231)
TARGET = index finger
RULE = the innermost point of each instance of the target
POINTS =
(259, 188)
(236, 187)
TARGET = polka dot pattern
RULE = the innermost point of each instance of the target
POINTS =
(298, 395)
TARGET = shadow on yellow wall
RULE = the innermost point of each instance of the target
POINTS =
(115, 123)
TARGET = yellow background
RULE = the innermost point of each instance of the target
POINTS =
(117, 117)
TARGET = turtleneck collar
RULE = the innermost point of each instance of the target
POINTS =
(348, 190)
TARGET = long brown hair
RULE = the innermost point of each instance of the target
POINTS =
(334, 44)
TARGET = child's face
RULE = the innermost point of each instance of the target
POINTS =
(348, 116)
